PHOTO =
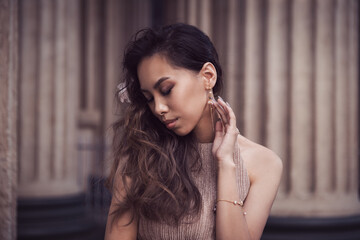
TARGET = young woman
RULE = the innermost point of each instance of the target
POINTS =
(182, 170)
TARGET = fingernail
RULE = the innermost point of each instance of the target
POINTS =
(221, 98)
(228, 104)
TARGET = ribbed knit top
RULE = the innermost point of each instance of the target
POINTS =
(202, 227)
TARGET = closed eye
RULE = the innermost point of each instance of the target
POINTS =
(166, 92)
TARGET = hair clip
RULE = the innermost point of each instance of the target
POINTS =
(123, 93)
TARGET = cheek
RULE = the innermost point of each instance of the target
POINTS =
(193, 105)
(185, 99)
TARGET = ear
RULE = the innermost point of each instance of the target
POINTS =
(208, 75)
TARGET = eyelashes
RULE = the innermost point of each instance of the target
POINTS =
(163, 92)
(166, 92)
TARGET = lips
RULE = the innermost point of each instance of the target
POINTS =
(170, 123)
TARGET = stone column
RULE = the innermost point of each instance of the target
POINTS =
(323, 161)
(50, 199)
(320, 182)
(231, 76)
(301, 101)
(48, 84)
(253, 80)
(114, 46)
(277, 75)
(194, 12)
(8, 117)
(354, 75)
(324, 88)
(206, 20)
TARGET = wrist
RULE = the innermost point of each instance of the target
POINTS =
(226, 164)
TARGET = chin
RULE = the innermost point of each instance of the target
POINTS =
(180, 132)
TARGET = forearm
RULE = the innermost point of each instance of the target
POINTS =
(230, 218)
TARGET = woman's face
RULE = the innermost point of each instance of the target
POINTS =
(176, 96)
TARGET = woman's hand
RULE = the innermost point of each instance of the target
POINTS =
(226, 133)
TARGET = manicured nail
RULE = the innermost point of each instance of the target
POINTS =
(228, 104)
(221, 98)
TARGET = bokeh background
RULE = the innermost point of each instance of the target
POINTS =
(291, 71)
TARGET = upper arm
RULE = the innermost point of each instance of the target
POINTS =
(264, 168)
(120, 228)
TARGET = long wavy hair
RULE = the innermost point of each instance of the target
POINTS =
(155, 166)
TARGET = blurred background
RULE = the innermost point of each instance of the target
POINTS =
(291, 74)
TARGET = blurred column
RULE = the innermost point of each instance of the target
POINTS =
(51, 201)
(193, 12)
(324, 89)
(113, 48)
(353, 87)
(342, 62)
(277, 73)
(253, 70)
(232, 49)
(8, 117)
(301, 101)
(90, 93)
(323, 161)
(206, 19)
(321, 191)
(49, 80)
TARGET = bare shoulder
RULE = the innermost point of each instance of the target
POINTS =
(259, 160)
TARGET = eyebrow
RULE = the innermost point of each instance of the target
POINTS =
(157, 84)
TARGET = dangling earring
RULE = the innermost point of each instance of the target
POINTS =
(211, 100)
(211, 97)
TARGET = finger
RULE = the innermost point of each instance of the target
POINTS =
(224, 106)
(218, 129)
(230, 117)
(232, 122)
(219, 133)
(221, 112)
(232, 131)
(215, 105)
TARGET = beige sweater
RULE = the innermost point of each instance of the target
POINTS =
(204, 227)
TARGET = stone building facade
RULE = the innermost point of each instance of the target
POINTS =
(291, 74)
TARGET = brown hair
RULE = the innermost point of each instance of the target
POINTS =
(159, 163)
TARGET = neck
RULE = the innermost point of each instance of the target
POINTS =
(205, 129)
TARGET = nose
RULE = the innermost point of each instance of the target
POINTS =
(160, 106)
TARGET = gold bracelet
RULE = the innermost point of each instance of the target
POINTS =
(241, 203)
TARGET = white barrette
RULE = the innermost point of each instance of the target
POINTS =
(123, 93)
